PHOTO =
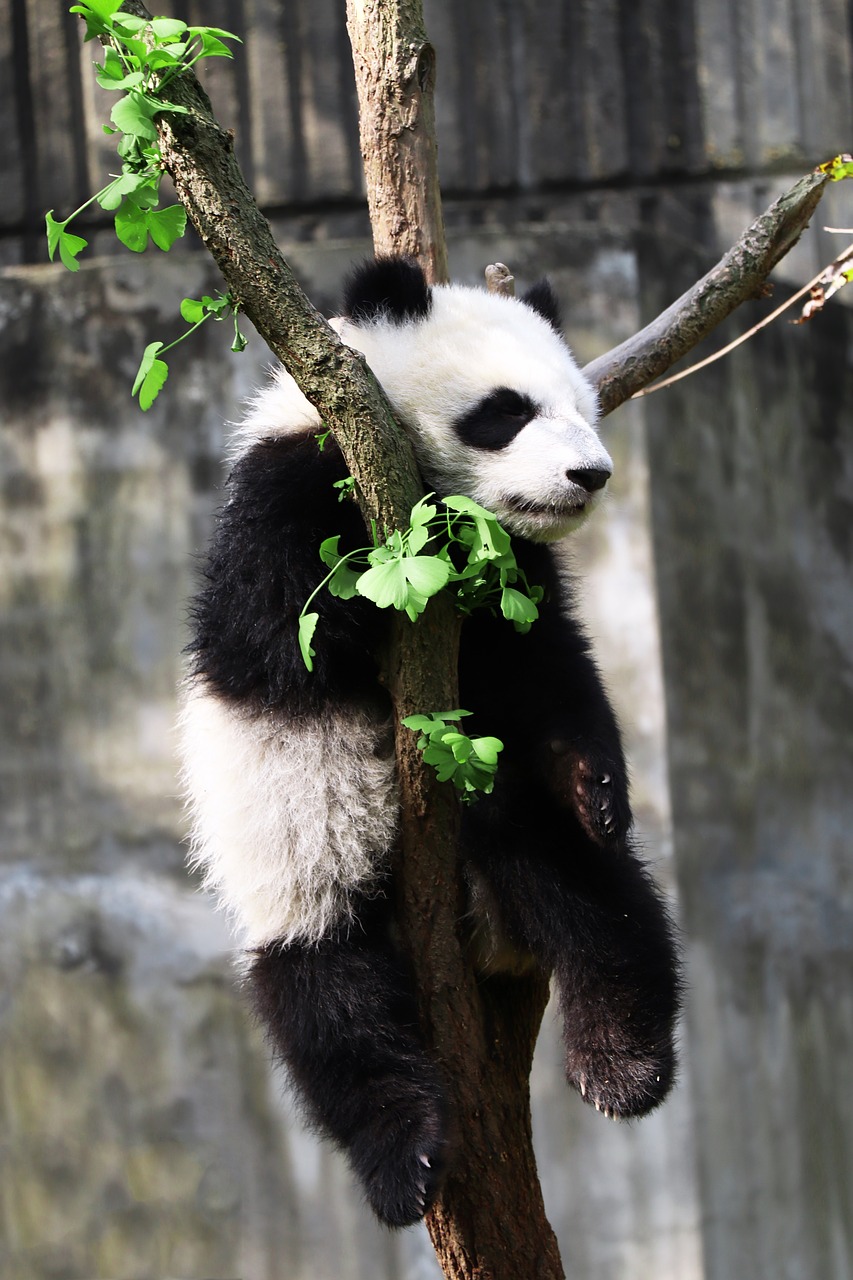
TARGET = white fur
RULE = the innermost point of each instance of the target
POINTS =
(278, 409)
(292, 818)
(435, 370)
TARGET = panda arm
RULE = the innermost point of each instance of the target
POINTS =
(542, 694)
(263, 566)
(578, 749)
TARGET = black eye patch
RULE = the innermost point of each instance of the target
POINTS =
(496, 419)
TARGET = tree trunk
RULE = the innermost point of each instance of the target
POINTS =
(489, 1221)
(395, 74)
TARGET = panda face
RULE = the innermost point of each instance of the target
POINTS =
(496, 406)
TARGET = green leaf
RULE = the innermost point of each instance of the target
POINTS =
(137, 49)
(427, 574)
(149, 355)
(423, 512)
(404, 582)
(111, 70)
(218, 304)
(153, 383)
(69, 247)
(133, 114)
(150, 376)
(192, 310)
(162, 59)
(58, 238)
(212, 46)
(131, 225)
(54, 233)
(461, 746)
(98, 16)
(214, 31)
(344, 581)
(458, 502)
(487, 749)
(124, 82)
(307, 627)
(129, 22)
(385, 584)
(128, 184)
(329, 552)
(517, 607)
(147, 194)
(240, 342)
(167, 225)
(101, 8)
(168, 28)
(417, 723)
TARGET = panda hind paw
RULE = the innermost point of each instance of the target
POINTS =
(402, 1176)
(626, 1087)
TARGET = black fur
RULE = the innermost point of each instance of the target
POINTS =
(552, 841)
(341, 1016)
(392, 287)
(496, 419)
(542, 298)
(263, 566)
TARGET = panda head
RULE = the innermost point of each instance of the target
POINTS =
(496, 405)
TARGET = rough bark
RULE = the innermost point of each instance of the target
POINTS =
(395, 74)
(489, 1220)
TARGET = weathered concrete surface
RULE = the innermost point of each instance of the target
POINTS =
(532, 95)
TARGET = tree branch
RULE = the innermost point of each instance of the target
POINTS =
(738, 276)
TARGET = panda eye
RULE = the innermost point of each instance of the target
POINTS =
(496, 419)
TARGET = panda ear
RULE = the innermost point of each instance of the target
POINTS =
(393, 288)
(542, 299)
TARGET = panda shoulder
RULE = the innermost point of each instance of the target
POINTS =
(277, 411)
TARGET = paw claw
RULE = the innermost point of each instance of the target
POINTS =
(602, 802)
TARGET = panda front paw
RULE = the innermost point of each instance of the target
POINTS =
(400, 1164)
(593, 784)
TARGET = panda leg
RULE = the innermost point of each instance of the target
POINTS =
(594, 918)
(342, 1019)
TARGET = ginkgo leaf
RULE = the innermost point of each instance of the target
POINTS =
(307, 627)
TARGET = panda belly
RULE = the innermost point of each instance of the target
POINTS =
(294, 818)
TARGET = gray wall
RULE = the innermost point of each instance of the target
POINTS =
(619, 147)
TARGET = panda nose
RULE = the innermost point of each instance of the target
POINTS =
(589, 479)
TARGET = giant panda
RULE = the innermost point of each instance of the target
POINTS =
(290, 774)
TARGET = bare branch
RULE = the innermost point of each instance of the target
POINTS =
(740, 274)
(499, 279)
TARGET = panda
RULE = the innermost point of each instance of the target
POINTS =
(290, 773)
